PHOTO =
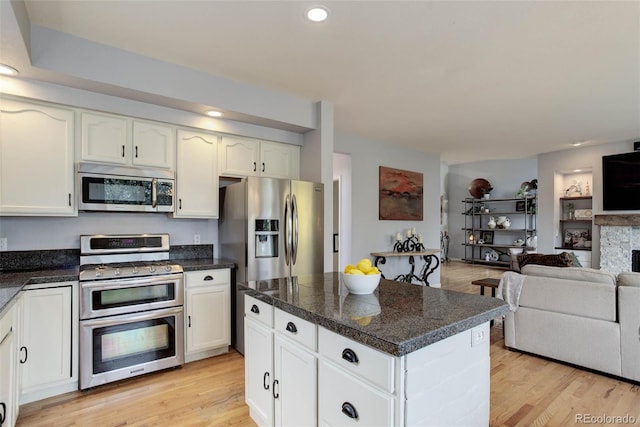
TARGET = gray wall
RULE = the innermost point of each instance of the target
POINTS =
(368, 233)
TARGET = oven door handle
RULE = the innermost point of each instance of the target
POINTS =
(127, 282)
(154, 193)
(132, 317)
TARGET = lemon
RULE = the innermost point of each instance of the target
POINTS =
(348, 268)
(362, 321)
(364, 265)
(373, 270)
(356, 272)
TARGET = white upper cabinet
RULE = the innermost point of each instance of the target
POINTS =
(279, 160)
(241, 157)
(197, 175)
(104, 139)
(153, 144)
(120, 140)
(36, 160)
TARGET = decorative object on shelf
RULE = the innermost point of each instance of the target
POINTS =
(400, 194)
(576, 237)
(583, 214)
(503, 222)
(471, 239)
(587, 191)
(529, 205)
(492, 222)
(518, 242)
(480, 188)
(528, 189)
(574, 190)
(532, 242)
(412, 243)
(487, 237)
(491, 255)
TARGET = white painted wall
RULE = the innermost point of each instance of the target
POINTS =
(368, 233)
(504, 175)
(342, 172)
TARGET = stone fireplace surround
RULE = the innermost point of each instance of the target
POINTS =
(619, 237)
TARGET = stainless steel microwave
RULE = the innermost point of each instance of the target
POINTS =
(124, 189)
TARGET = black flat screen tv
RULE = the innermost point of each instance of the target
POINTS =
(621, 182)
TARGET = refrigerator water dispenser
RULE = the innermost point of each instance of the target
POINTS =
(266, 238)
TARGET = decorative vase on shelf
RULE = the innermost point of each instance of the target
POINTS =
(492, 222)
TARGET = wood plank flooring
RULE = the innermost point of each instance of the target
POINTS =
(525, 390)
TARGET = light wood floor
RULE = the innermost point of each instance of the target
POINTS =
(525, 390)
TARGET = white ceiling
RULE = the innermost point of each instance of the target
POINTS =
(470, 80)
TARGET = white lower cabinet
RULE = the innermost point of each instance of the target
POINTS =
(48, 342)
(280, 368)
(208, 313)
(8, 368)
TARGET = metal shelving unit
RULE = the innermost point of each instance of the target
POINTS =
(476, 218)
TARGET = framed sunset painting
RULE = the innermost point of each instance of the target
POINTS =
(400, 194)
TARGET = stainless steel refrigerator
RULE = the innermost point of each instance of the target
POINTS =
(271, 228)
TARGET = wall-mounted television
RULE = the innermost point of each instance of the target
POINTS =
(621, 182)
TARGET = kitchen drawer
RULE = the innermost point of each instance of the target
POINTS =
(338, 392)
(297, 329)
(359, 359)
(207, 277)
(258, 310)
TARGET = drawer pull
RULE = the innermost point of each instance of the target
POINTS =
(3, 415)
(26, 354)
(208, 277)
(350, 355)
(291, 327)
(349, 410)
(265, 381)
(255, 309)
(274, 392)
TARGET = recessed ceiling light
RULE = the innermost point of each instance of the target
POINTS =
(214, 113)
(577, 170)
(317, 14)
(577, 144)
(7, 70)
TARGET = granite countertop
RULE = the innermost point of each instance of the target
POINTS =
(398, 318)
(12, 282)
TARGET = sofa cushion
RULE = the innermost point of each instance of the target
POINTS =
(629, 279)
(582, 274)
(579, 293)
(563, 259)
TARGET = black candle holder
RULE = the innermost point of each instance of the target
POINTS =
(410, 244)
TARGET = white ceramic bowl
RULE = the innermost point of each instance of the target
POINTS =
(361, 284)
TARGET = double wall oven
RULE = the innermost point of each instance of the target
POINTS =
(131, 307)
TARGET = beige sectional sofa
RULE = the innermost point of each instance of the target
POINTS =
(582, 316)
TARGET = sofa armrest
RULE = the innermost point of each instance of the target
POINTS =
(629, 310)
(629, 279)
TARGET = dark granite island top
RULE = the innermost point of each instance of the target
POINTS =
(398, 318)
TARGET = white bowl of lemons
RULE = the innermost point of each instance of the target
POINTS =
(362, 278)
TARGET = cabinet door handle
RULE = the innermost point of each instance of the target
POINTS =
(255, 309)
(349, 410)
(3, 415)
(350, 355)
(69, 199)
(188, 321)
(275, 393)
(254, 166)
(179, 203)
(136, 151)
(262, 166)
(291, 327)
(26, 354)
(123, 151)
(265, 381)
(208, 277)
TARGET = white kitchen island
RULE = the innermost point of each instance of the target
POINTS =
(404, 356)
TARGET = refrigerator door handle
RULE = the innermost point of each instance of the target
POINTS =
(294, 240)
(287, 230)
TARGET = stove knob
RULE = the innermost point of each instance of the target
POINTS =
(167, 267)
(116, 272)
(152, 269)
(134, 270)
(98, 272)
